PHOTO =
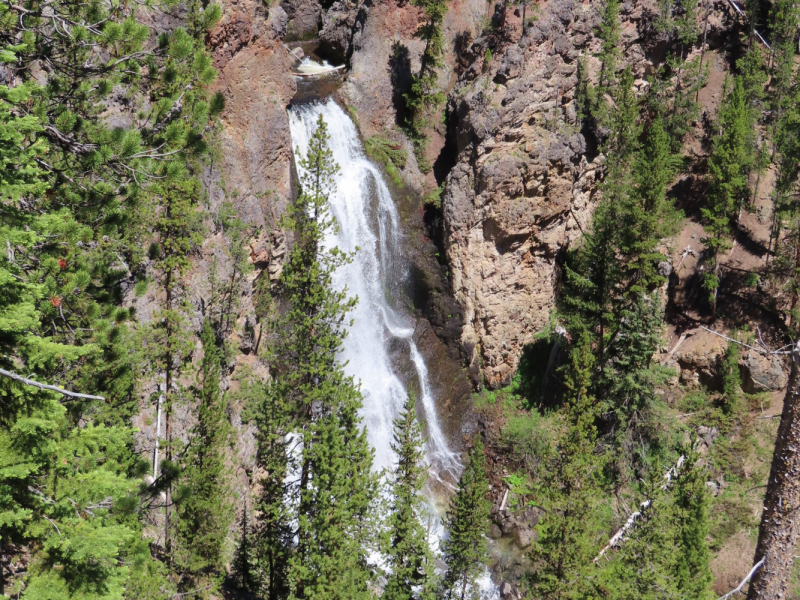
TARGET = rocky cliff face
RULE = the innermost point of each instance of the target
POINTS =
(255, 77)
(522, 187)
(524, 182)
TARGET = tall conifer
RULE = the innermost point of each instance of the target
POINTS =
(203, 499)
(332, 496)
(693, 571)
(464, 548)
(565, 547)
(733, 157)
(409, 554)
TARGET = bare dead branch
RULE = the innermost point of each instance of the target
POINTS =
(738, 588)
(616, 539)
(44, 386)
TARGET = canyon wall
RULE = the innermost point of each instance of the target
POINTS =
(525, 179)
(520, 177)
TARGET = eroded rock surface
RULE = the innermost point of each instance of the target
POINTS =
(524, 183)
(522, 188)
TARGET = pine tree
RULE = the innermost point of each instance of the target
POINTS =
(178, 232)
(332, 498)
(73, 190)
(650, 215)
(643, 566)
(693, 571)
(273, 531)
(203, 505)
(595, 274)
(68, 470)
(243, 559)
(425, 93)
(408, 552)
(674, 86)
(733, 157)
(464, 548)
(786, 155)
(566, 546)
(633, 378)
(609, 33)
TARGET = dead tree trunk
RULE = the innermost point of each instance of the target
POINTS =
(780, 522)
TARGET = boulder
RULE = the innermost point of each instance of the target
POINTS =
(762, 373)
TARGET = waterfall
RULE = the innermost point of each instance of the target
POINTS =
(369, 225)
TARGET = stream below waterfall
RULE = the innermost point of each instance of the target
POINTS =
(379, 351)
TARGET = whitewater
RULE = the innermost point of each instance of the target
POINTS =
(369, 227)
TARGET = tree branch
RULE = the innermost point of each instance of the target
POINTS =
(747, 577)
(616, 539)
(44, 386)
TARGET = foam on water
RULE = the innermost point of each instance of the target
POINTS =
(309, 66)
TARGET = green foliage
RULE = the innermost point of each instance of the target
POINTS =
(464, 548)
(731, 380)
(674, 85)
(272, 532)
(78, 194)
(243, 563)
(225, 301)
(435, 197)
(644, 566)
(332, 498)
(786, 153)
(570, 493)
(529, 437)
(609, 33)
(633, 378)
(392, 155)
(733, 157)
(203, 498)
(408, 553)
(666, 554)
(386, 151)
(425, 94)
(693, 573)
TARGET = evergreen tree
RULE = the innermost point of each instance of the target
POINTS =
(674, 86)
(644, 565)
(733, 157)
(177, 228)
(566, 543)
(333, 495)
(609, 34)
(203, 505)
(464, 548)
(408, 552)
(425, 94)
(650, 215)
(71, 186)
(786, 154)
(633, 378)
(595, 274)
(693, 573)
(273, 531)
(243, 559)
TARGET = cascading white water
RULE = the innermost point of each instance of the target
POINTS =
(369, 226)
(368, 221)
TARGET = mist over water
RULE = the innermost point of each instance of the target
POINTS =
(369, 225)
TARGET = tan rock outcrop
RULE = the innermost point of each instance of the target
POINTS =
(522, 188)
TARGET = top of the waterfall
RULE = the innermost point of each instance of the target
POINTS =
(310, 67)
